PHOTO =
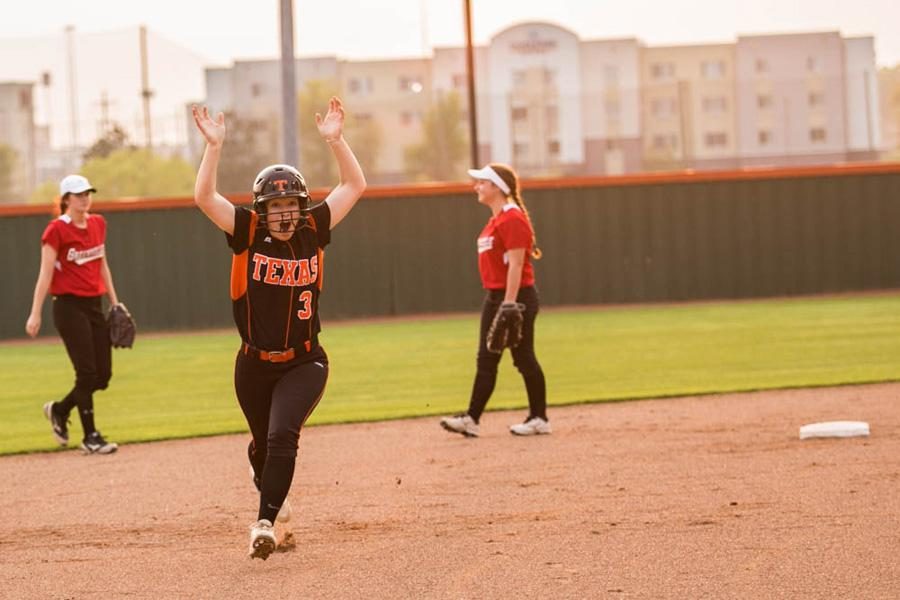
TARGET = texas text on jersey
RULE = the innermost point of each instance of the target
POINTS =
(275, 285)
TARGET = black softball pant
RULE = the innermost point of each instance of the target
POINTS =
(85, 333)
(277, 399)
(523, 356)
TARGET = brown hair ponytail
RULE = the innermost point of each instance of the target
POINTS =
(60, 205)
(509, 176)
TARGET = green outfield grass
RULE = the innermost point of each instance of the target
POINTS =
(172, 386)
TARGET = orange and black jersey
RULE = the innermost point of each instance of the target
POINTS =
(275, 285)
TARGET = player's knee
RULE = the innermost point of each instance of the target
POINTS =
(282, 442)
(488, 362)
(86, 381)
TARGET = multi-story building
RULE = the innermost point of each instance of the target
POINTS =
(688, 106)
(17, 133)
(610, 101)
(889, 88)
(552, 104)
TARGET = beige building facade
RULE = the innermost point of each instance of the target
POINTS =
(552, 104)
(17, 132)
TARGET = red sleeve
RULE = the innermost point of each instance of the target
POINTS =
(51, 235)
(515, 233)
(102, 222)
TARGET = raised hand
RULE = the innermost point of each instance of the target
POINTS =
(213, 130)
(331, 126)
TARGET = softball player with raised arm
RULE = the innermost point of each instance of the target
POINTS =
(276, 278)
(506, 246)
(75, 272)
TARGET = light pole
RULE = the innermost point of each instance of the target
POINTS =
(288, 85)
(470, 75)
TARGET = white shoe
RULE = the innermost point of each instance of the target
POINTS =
(262, 539)
(533, 426)
(463, 424)
(285, 513)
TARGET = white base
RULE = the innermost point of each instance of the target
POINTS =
(832, 429)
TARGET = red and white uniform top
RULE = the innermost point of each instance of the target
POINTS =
(79, 254)
(509, 230)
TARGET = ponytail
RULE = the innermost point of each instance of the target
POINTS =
(60, 205)
(509, 176)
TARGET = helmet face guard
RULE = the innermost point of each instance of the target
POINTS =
(276, 182)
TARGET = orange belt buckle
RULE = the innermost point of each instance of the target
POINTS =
(278, 356)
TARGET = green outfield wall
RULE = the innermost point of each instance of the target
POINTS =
(670, 237)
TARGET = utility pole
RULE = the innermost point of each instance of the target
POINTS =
(146, 92)
(470, 74)
(288, 85)
(104, 113)
(73, 89)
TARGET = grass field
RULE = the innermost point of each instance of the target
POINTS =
(180, 385)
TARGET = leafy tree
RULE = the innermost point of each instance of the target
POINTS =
(8, 160)
(364, 135)
(249, 146)
(131, 172)
(444, 145)
(44, 193)
(316, 160)
(112, 140)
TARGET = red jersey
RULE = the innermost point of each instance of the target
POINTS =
(509, 230)
(79, 254)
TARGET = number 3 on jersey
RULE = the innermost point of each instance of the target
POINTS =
(305, 311)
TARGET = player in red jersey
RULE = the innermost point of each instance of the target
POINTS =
(506, 247)
(75, 272)
(276, 278)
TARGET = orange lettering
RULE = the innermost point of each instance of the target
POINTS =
(271, 276)
(258, 261)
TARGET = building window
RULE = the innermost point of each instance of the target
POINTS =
(520, 149)
(519, 113)
(553, 146)
(549, 77)
(255, 90)
(715, 104)
(817, 134)
(662, 70)
(363, 117)
(519, 77)
(764, 101)
(762, 65)
(816, 98)
(714, 69)
(24, 99)
(665, 142)
(664, 107)
(410, 84)
(716, 139)
(459, 81)
(764, 137)
(813, 64)
(353, 85)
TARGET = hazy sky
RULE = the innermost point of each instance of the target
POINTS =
(221, 31)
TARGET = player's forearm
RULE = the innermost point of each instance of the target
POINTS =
(205, 186)
(108, 282)
(513, 282)
(40, 292)
(350, 172)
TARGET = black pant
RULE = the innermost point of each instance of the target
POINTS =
(277, 399)
(523, 357)
(85, 333)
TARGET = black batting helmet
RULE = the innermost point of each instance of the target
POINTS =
(279, 181)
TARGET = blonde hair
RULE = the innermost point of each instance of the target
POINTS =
(508, 175)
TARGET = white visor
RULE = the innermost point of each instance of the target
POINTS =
(488, 174)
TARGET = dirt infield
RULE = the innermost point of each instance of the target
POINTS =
(710, 497)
